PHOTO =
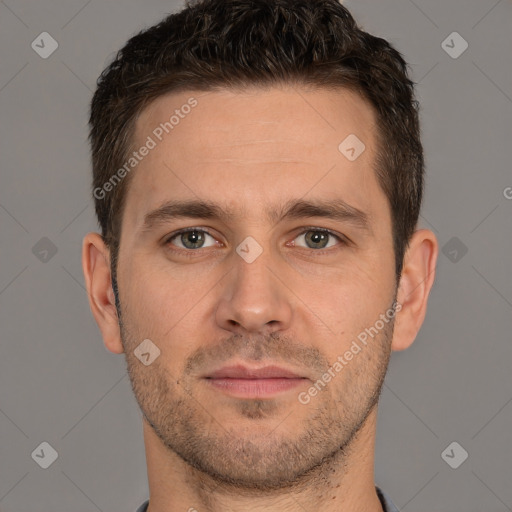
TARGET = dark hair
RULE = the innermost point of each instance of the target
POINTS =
(215, 44)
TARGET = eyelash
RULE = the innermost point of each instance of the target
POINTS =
(190, 252)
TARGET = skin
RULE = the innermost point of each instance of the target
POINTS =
(293, 306)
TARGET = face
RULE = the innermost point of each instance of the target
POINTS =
(264, 275)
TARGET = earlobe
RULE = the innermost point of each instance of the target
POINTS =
(416, 281)
(98, 280)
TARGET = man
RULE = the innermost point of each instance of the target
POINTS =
(258, 176)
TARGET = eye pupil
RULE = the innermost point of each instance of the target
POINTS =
(317, 237)
(192, 239)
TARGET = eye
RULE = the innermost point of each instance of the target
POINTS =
(310, 238)
(191, 238)
(317, 238)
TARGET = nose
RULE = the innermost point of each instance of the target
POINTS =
(254, 299)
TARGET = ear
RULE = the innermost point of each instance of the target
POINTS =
(98, 281)
(416, 281)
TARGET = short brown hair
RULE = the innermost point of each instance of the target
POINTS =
(215, 44)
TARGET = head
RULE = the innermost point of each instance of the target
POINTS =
(232, 44)
(243, 107)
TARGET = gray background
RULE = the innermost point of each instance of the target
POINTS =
(60, 385)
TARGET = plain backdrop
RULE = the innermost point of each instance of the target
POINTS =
(59, 385)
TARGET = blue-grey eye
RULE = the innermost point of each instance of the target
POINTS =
(192, 239)
(317, 239)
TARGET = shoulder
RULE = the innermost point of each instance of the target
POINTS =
(143, 507)
(387, 504)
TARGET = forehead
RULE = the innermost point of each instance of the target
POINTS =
(254, 145)
(320, 115)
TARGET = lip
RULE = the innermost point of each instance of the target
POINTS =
(243, 382)
(243, 372)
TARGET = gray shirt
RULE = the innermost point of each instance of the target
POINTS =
(387, 504)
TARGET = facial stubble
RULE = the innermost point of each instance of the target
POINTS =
(269, 460)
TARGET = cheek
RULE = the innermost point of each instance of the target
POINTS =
(150, 284)
(352, 310)
(161, 307)
(354, 295)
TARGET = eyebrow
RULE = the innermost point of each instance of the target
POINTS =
(294, 209)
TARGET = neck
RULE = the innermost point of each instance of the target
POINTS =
(343, 483)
